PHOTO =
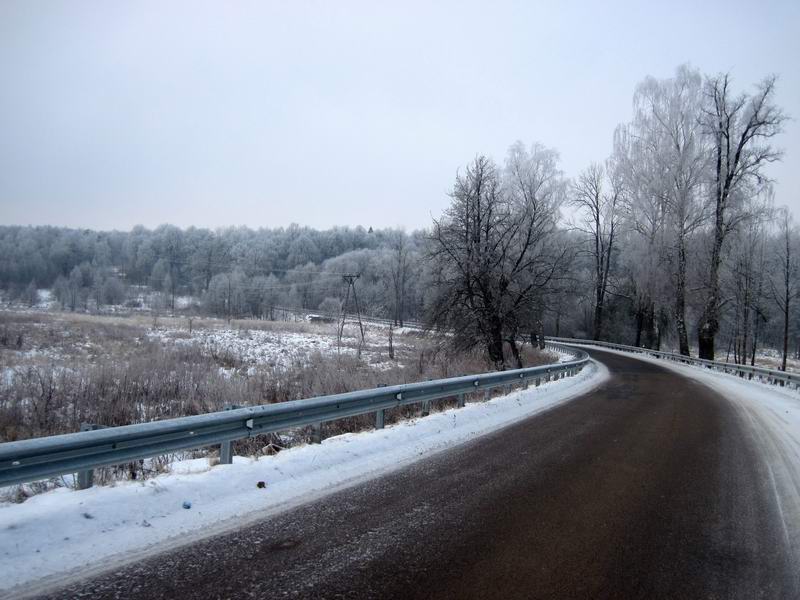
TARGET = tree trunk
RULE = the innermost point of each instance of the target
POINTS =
(542, 341)
(534, 334)
(705, 339)
(786, 300)
(598, 318)
(495, 346)
(709, 323)
(785, 330)
(680, 299)
(515, 352)
(639, 324)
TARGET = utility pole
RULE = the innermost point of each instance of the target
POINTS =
(350, 280)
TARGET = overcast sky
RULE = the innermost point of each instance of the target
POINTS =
(337, 113)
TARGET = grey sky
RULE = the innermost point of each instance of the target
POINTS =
(323, 113)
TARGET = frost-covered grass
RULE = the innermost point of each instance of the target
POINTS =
(76, 368)
(67, 532)
(282, 345)
(771, 359)
(61, 338)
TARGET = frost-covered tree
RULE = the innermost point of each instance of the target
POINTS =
(597, 195)
(493, 253)
(664, 160)
(739, 129)
(784, 277)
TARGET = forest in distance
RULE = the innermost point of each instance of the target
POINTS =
(675, 240)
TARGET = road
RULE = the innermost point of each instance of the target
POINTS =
(649, 487)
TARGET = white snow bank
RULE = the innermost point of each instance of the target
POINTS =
(66, 533)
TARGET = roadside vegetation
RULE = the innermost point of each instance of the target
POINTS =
(60, 370)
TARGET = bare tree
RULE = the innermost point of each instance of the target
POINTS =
(598, 196)
(785, 290)
(493, 250)
(400, 268)
(739, 129)
(746, 259)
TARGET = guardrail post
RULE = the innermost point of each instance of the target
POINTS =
(316, 433)
(86, 478)
(226, 448)
(380, 415)
(226, 453)
(461, 401)
(426, 408)
(487, 395)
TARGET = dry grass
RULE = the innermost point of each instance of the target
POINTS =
(73, 369)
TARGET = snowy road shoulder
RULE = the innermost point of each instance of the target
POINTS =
(64, 533)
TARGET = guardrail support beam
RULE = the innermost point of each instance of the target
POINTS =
(316, 433)
(226, 448)
(380, 418)
(461, 401)
(86, 478)
(226, 453)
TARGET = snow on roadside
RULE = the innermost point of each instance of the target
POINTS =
(66, 533)
(773, 416)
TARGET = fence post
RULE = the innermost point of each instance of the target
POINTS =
(86, 478)
(226, 448)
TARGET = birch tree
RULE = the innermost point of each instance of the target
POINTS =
(598, 196)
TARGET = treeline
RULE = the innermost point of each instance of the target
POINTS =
(233, 272)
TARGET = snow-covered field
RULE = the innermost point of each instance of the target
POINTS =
(61, 533)
(284, 349)
(68, 339)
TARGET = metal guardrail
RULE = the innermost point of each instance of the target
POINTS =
(769, 376)
(39, 458)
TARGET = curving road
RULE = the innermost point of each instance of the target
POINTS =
(649, 487)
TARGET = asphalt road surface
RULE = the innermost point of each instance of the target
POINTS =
(649, 487)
